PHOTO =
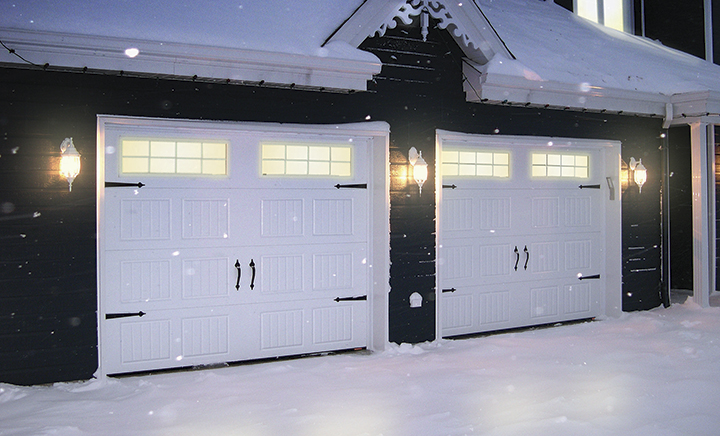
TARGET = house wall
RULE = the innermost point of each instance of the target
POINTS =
(48, 288)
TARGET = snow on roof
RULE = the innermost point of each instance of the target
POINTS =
(592, 65)
(251, 40)
(559, 59)
(555, 44)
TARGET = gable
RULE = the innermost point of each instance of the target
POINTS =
(467, 24)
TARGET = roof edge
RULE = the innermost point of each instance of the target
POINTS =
(485, 87)
(83, 52)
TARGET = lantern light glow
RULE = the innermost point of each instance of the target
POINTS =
(420, 168)
(69, 161)
(639, 173)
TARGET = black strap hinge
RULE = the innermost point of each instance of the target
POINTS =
(358, 298)
(453, 186)
(589, 186)
(124, 185)
(123, 315)
(449, 290)
(594, 277)
(352, 186)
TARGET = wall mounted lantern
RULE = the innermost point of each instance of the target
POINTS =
(420, 170)
(639, 173)
(69, 161)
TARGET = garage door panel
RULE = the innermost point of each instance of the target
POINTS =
(316, 216)
(163, 218)
(284, 329)
(306, 272)
(264, 254)
(513, 248)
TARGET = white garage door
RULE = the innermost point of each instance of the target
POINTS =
(243, 242)
(523, 231)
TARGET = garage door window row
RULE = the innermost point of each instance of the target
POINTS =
(496, 164)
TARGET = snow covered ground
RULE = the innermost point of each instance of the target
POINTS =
(648, 373)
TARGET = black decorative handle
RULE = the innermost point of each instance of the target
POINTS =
(252, 279)
(123, 315)
(123, 185)
(527, 256)
(239, 273)
(517, 257)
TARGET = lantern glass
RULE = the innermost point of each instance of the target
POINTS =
(640, 175)
(69, 161)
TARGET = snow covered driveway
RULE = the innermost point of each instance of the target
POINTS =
(647, 373)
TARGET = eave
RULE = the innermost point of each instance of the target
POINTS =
(498, 88)
(80, 52)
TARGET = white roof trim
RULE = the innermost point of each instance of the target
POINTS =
(497, 88)
(187, 60)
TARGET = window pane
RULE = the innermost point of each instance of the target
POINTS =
(296, 167)
(189, 166)
(484, 158)
(449, 156)
(613, 14)
(319, 168)
(162, 165)
(501, 158)
(189, 149)
(539, 171)
(539, 159)
(297, 152)
(135, 165)
(214, 167)
(342, 154)
(214, 151)
(162, 149)
(273, 167)
(467, 170)
(341, 169)
(501, 171)
(449, 169)
(484, 170)
(135, 148)
(588, 9)
(320, 153)
(467, 157)
(568, 160)
(271, 151)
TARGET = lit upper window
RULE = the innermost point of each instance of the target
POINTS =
(475, 163)
(161, 156)
(306, 160)
(611, 13)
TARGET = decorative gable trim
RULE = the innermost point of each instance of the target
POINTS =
(465, 22)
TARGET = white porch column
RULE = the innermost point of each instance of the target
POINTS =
(703, 208)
